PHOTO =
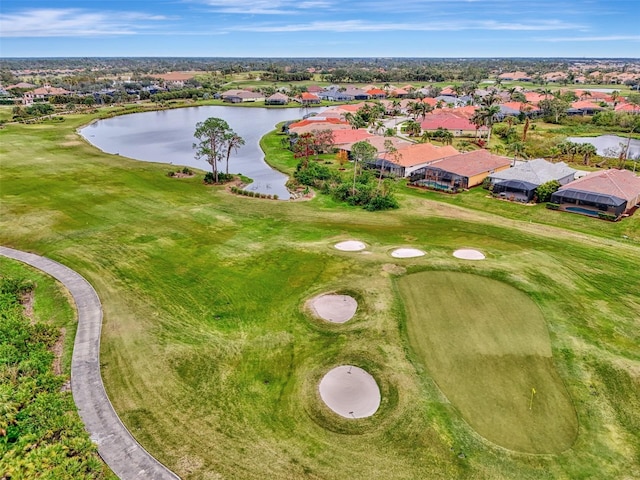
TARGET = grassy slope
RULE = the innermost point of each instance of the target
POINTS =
(486, 345)
(210, 361)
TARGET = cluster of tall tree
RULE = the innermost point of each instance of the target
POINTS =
(216, 142)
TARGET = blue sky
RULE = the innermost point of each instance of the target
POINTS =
(320, 28)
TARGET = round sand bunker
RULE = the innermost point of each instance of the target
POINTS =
(407, 253)
(350, 246)
(469, 254)
(350, 391)
(334, 308)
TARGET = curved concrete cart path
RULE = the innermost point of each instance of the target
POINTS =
(124, 455)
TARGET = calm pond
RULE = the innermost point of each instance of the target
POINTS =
(611, 145)
(166, 136)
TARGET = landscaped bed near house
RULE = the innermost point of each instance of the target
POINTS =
(211, 360)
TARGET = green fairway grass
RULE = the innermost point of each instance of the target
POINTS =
(487, 347)
(212, 362)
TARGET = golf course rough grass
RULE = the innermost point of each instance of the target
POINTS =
(487, 347)
(213, 365)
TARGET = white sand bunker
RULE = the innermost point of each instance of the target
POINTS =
(350, 391)
(350, 246)
(407, 253)
(334, 308)
(469, 254)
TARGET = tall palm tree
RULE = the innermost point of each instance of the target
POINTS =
(486, 115)
(615, 96)
(587, 150)
(412, 109)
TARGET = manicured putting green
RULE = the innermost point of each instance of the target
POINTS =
(487, 347)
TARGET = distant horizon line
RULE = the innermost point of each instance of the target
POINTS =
(317, 57)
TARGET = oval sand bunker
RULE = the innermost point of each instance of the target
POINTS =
(469, 254)
(350, 246)
(350, 391)
(407, 253)
(334, 308)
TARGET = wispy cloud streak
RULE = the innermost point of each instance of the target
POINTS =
(365, 26)
(74, 23)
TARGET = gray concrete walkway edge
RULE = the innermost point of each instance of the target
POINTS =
(124, 455)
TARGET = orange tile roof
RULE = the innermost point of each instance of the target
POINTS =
(376, 91)
(586, 104)
(315, 126)
(449, 121)
(620, 183)
(534, 97)
(466, 111)
(418, 153)
(309, 96)
(523, 107)
(341, 137)
(473, 163)
(627, 107)
(379, 141)
(47, 90)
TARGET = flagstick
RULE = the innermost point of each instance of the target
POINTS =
(533, 392)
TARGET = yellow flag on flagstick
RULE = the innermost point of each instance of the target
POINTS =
(533, 392)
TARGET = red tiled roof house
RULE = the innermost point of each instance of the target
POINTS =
(459, 172)
(607, 193)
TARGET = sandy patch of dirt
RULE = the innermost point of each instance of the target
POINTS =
(468, 254)
(26, 300)
(57, 349)
(350, 246)
(393, 269)
(333, 307)
(350, 391)
(407, 253)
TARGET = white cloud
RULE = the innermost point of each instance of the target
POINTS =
(73, 23)
(266, 7)
(364, 26)
(603, 38)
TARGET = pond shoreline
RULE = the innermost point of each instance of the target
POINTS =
(166, 136)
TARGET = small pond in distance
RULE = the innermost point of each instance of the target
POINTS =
(611, 145)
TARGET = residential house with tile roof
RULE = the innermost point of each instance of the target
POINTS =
(519, 183)
(459, 172)
(307, 98)
(277, 99)
(610, 192)
(411, 157)
(458, 124)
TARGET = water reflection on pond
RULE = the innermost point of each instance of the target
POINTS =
(611, 145)
(166, 136)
